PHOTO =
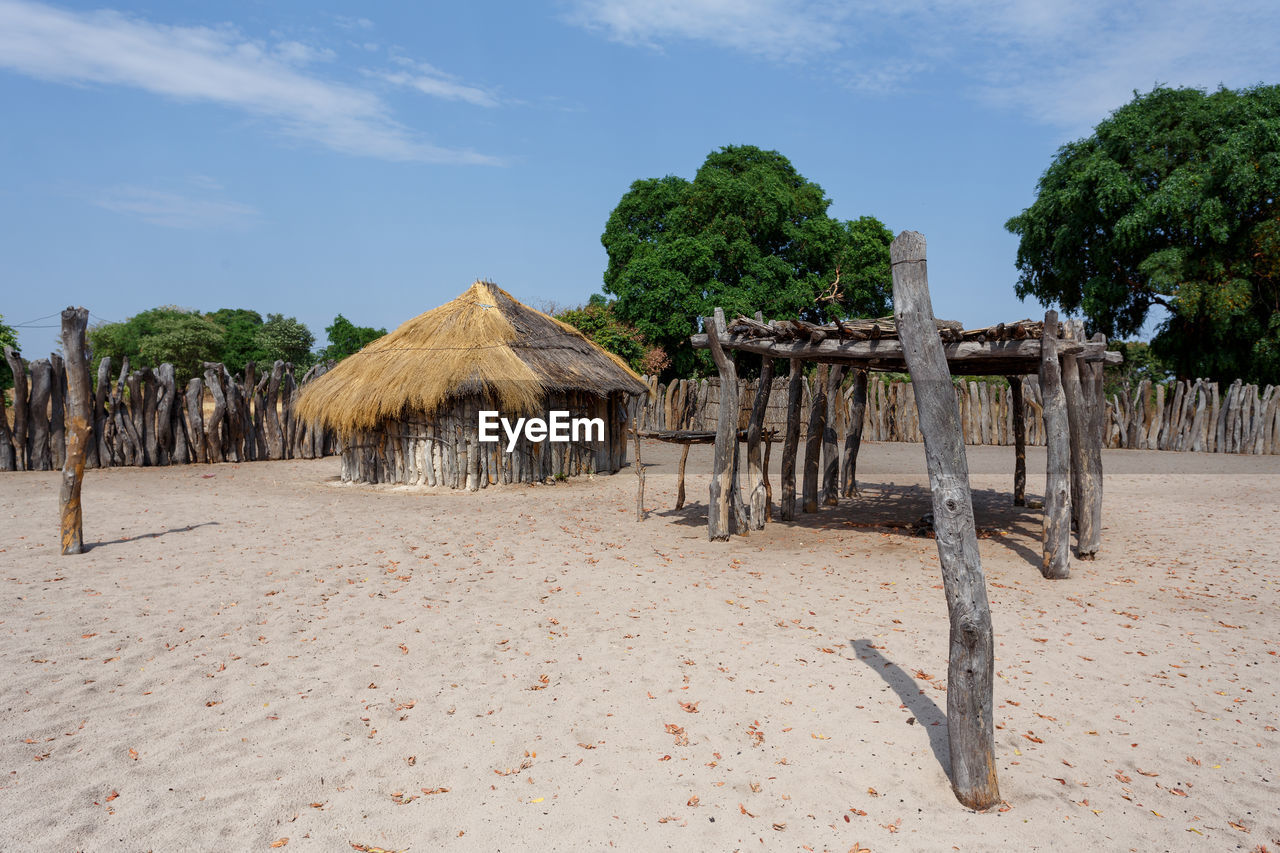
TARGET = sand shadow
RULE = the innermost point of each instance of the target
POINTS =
(897, 510)
(926, 711)
(155, 535)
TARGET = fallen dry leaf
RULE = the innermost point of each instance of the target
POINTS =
(280, 842)
(693, 801)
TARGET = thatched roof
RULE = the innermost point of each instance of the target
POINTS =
(485, 341)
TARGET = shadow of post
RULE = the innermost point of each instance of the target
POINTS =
(926, 711)
(155, 535)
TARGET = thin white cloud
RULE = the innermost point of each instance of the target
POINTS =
(1064, 63)
(432, 81)
(214, 65)
(175, 210)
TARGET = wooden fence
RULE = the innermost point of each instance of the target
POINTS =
(1186, 416)
(145, 418)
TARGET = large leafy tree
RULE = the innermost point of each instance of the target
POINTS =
(286, 339)
(240, 346)
(748, 233)
(168, 333)
(346, 338)
(185, 340)
(1172, 203)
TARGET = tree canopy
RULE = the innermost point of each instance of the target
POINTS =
(285, 339)
(599, 322)
(1171, 202)
(748, 233)
(346, 338)
(185, 337)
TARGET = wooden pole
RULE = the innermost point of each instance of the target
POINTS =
(1089, 530)
(19, 371)
(684, 457)
(8, 458)
(813, 440)
(1019, 441)
(100, 420)
(830, 442)
(791, 441)
(758, 503)
(720, 509)
(57, 411)
(639, 464)
(74, 323)
(853, 436)
(970, 721)
(38, 458)
(1056, 536)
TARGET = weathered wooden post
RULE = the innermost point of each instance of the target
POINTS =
(8, 459)
(635, 433)
(853, 436)
(100, 418)
(1019, 441)
(720, 509)
(791, 441)
(684, 457)
(1089, 525)
(38, 458)
(758, 502)
(74, 323)
(970, 724)
(1056, 537)
(813, 440)
(57, 411)
(830, 442)
(19, 408)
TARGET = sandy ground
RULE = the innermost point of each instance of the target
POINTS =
(255, 653)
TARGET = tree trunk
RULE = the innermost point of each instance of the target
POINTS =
(1057, 491)
(791, 441)
(970, 720)
(79, 396)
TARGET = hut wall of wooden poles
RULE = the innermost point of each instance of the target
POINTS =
(444, 449)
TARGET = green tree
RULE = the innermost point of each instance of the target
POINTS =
(8, 338)
(121, 340)
(240, 344)
(346, 338)
(184, 340)
(599, 322)
(748, 233)
(1172, 203)
(286, 339)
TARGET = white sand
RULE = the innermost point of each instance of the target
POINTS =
(251, 653)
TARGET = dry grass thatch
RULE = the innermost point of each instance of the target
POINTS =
(484, 342)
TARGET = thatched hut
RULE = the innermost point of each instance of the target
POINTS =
(408, 406)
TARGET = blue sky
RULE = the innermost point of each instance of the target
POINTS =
(374, 159)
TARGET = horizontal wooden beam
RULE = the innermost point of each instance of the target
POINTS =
(996, 358)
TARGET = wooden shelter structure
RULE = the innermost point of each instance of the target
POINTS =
(407, 406)
(1068, 368)
(1070, 372)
